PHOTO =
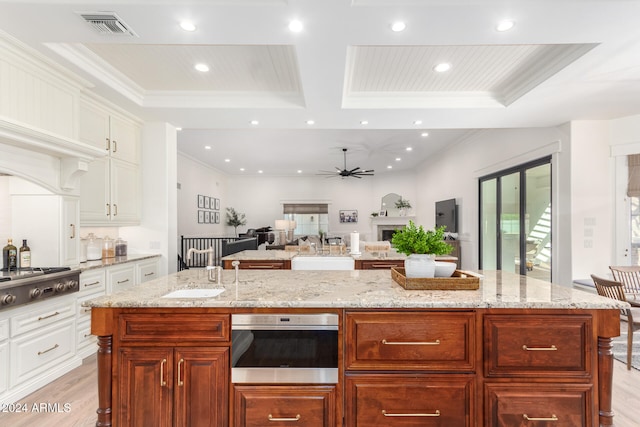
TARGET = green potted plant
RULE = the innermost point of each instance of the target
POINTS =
(235, 219)
(403, 205)
(421, 246)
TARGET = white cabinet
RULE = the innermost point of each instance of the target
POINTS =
(121, 277)
(110, 190)
(147, 270)
(4, 355)
(92, 285)
(50, 225)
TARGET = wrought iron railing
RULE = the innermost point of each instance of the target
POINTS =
(200, 243)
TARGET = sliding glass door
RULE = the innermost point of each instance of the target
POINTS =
(515, 220)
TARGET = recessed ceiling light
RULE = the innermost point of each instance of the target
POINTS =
(409, 149)
(364, 122)
(398, 159)
(441, 68)
(207, 147)
(505, 25)
(178, 129)
(311, 122)
(227, 160)
(203, 68)
(260, 171)
(398, 26)
(299, 170)
(424, 134)
(241, 169)
(389, 167)
(295, 26)
(188, 26)
(255, 122)
(417, 122)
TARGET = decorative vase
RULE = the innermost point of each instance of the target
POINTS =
(419, 266)
(402, 212)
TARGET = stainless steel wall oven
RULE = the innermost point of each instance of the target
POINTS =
(284, 348)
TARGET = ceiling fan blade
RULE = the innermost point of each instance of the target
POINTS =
(354, 169)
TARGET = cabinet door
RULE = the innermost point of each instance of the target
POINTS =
(70, 244)
(201, 387)
(125, 193)
(124, 140)
(94, 193)
(93, 125)
(144, 387)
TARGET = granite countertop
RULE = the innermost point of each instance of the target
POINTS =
(349, 289)
(108, 262)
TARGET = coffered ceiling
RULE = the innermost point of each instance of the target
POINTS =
(286, 102)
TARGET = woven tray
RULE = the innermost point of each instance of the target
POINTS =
(460, 280)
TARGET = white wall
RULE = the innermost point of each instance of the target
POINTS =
(591, 199)
(157, 231)
(195, 178)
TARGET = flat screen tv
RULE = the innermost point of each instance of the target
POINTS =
(447, 215)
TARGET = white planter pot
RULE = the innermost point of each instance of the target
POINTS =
(419, 265)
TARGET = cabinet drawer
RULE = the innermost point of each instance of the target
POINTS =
(379, 264)
(4, 329)
(174, 327)
(543, 345)
(410, 341)
(147, 270)
(92, 282)
(120, 278)
(262, 265)
(34, 353)
(559, 405)
(84, 338)
(84, 313)
(43, 314)
(416, 400)
(285, 406)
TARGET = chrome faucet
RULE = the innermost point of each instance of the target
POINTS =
(209, 253)
(214, 272)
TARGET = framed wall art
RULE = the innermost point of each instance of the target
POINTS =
(207, 202)
(216, 204)
(200, 201)
(349, 216)
(200, 217)
(216, 217)
(207, 217)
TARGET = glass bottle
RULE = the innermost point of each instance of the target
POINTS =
(108, 248)
(25, 255)
(9, 256)
(121, 247)
(94, 249)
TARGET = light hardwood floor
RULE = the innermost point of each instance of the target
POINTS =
(78, 389)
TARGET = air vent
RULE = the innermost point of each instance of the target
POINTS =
(107, 23)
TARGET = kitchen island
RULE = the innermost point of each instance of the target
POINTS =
(516, 350)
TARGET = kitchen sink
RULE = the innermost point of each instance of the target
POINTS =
(322, 263)
(194, 293)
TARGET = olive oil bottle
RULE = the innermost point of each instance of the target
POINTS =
(25, 255)
(9, 256)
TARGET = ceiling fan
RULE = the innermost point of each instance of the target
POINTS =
(355, 172)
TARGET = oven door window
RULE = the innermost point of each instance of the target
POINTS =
(284, 349)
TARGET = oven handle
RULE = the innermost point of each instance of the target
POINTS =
(284, 327)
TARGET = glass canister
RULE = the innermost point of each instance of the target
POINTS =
(94, 248)
(121, 247)
(108, 247)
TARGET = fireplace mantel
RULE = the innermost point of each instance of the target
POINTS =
(380, 223)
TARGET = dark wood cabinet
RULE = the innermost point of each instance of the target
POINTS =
(259, 264)
(410, 400)
(280, 406)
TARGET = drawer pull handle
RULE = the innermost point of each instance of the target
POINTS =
(119, 282)
(435, 414)
(552, 348)
(261, 266)
(87, 310)
(163, 383)
(40, 353)
(383, 265)
(180, 363)
(86, 285)
(47, 317)
(296, 418)
(436, 342)
(528, 418)
(149, 274)
(87, 335)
